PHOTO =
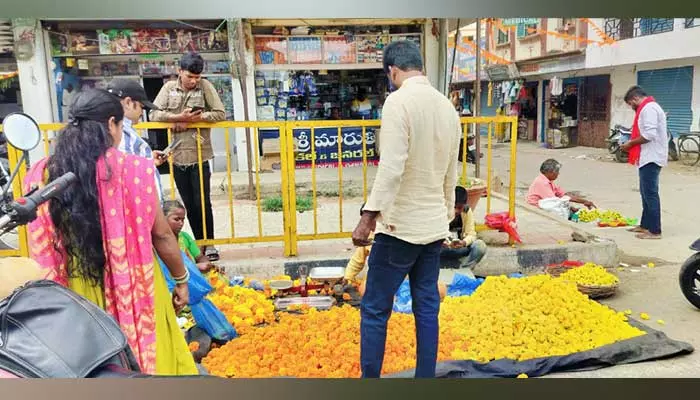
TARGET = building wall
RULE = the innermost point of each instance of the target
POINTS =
(432, 54)
(677, 44)
(624, 58)
(622, 77)
(555, 44)
(528, 47)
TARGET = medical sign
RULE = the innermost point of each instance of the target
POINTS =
(518, 21)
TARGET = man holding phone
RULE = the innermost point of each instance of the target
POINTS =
(184, 101)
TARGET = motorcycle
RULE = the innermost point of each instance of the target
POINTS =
(471, 149)
(46, 330)
(620, 135)
(689, 276)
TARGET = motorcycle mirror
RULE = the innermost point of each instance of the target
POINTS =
(21, 131)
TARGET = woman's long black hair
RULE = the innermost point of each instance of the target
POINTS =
(76, 214)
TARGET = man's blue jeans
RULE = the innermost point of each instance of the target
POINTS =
(651, 203)
(389, 262)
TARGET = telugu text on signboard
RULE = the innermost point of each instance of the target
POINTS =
(326, 149)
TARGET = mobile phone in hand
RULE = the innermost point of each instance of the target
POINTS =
(197, 109)
(169, 150)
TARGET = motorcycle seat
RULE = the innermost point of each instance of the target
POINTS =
(623, 128)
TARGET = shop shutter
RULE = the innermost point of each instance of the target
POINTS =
(673, 90)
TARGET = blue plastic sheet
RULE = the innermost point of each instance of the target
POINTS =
(461, 285)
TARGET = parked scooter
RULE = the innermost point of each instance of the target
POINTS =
(620, 135)
(689, 276)
(48, 331)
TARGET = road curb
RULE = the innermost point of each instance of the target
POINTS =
(498, 260)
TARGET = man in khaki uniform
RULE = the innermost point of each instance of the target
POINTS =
(187, 100)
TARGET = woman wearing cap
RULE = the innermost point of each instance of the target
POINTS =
(97, 238)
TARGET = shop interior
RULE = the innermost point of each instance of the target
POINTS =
(91, 53)
(10, 98)
(323, 73)
(320, 94)
(562, 113)
(527, 112)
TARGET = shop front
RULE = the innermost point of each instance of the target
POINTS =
(324, 73)
(573, 109)
(88, 54)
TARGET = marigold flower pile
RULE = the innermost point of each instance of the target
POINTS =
(519, 319)
(243, 307)
(590, 274)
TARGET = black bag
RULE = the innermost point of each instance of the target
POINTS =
(48, 331)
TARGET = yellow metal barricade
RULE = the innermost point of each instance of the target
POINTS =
(261, 228)
(491, 126)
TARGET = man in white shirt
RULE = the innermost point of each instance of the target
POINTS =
(648, 150)
(411, 205)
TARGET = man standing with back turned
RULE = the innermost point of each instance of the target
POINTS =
(411, 205)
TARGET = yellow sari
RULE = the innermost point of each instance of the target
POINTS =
(173, 356)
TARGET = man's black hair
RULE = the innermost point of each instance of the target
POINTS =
(403, 55)
(192, 62)
(634, 91)
(461, 195)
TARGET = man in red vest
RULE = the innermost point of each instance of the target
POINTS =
(648, 151)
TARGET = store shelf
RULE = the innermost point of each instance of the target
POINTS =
(97, 78)
(316, 67)
(134, 55)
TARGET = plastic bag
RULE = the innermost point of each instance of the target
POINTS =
(558, 206)
(198, 285)
(402, 300)
(504, 223)
(212, 321)
(463, 285)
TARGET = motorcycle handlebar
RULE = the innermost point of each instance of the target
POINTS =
(23, 210)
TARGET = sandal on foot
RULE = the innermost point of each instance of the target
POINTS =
(648, 235)
(637, 229)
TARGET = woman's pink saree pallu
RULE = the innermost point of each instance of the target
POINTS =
(128, 204)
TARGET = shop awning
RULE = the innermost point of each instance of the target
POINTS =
(335, 21)
(553, 63)
(502, 72)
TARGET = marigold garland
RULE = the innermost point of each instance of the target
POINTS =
(519, 319)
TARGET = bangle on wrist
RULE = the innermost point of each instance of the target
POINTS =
(182, 279)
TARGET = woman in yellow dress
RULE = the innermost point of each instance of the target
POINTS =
(98, 237)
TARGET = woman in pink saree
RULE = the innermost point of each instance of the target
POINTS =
(98, 237)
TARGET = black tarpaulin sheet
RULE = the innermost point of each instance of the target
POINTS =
(655, 345)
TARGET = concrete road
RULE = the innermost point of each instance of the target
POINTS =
(655, 292)
(651, 290)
